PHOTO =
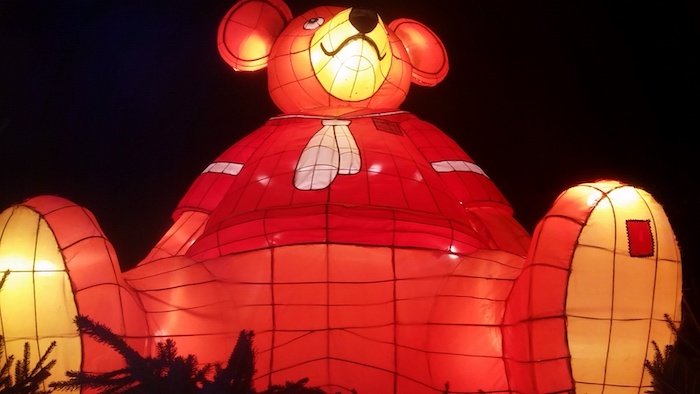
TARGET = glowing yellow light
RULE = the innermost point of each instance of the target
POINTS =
(37, 289)
(14, 263)
(594, 197)
(46, 268)
(624, 196)
(349, 65)
(614, 299)
(255, 50)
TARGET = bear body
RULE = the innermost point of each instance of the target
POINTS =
(357, 284)
(365, 249)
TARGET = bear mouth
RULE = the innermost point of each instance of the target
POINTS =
(358, 36)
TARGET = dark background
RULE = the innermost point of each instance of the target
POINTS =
(118, 105)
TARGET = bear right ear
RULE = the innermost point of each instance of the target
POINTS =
(248, 31)
(425, 50)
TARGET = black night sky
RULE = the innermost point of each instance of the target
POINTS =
(117, 105)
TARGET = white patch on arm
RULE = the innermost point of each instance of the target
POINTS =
(221, 167)
(458, 166)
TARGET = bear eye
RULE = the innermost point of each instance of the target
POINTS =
(313, 23)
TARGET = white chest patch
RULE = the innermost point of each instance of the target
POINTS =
(329, 152)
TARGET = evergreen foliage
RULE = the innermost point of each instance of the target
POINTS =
(675, 369)
(168, 372)
(237, 376)
(165, 373)
(25, 380)
(294, 388)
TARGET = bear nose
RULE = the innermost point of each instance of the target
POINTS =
(363, 20)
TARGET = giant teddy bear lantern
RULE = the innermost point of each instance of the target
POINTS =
(363, 247)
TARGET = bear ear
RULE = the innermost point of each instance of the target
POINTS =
(248, 31)
(425, 51)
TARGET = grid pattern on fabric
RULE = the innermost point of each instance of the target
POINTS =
(389, 194)
(606, 302)
(409, 318)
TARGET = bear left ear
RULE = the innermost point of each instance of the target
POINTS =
(425, 50)
(248, 31)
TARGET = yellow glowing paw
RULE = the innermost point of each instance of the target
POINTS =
(58, 258)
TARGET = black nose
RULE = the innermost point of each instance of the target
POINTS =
(363, 20)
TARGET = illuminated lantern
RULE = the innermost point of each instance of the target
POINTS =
(61, 264)
(363, 246)
(605, 295)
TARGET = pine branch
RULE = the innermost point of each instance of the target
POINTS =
(298, 387)
(122, 380)
(674, 370)
(4, 278)
(168, 372)
(79, 379)
(104, 335)
(42, 360)
(165, 373)
(26, 381)
(22, 367)
(237, 376)
(5, 378)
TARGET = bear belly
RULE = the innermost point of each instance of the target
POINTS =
(370, 318)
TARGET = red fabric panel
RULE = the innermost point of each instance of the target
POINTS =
(381, 274)
(470, 188)
(209, 188)
(641, 242)
(427, 54)
(248, 26)
(395, 177)
(342, 312)
(507, 234)
(95, 278)
(552, 376)
(548, 340)
(294, 88)
(181, 235)
(536, 309)
(71, 223)
(554, 230)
